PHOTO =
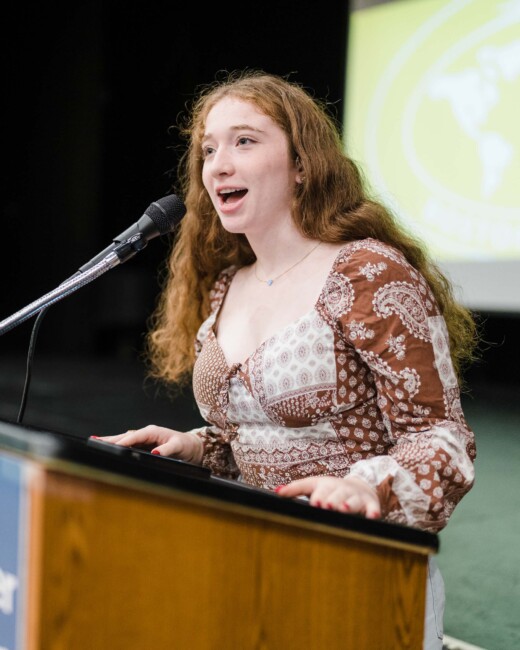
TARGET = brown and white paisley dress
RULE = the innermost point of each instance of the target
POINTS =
(362, 384)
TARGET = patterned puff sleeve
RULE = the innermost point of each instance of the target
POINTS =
(394, 325)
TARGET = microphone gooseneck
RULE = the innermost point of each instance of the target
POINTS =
(161, 217)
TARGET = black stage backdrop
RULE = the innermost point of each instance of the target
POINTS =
(90, 91)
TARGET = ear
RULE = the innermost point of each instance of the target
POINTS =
(300, 176)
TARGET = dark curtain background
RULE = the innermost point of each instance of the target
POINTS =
(90, 91)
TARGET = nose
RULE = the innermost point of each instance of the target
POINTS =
(221, 162)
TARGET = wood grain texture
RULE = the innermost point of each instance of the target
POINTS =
(125, 568)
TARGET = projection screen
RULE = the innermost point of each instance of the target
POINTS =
(432, 115)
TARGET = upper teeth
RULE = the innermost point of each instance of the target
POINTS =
(229, 191)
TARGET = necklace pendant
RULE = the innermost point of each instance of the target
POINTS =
(271, 280)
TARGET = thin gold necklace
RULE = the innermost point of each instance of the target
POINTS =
(270, 281)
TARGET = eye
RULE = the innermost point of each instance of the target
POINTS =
(207, 150)
(244, 139)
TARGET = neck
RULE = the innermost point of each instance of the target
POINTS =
(269, 281)
(276, 251)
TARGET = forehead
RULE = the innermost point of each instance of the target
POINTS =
(230, 112)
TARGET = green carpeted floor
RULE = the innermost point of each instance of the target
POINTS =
(479, 549)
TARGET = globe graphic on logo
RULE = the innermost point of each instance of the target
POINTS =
(441, 140)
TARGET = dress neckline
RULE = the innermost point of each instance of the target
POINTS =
(230, 275)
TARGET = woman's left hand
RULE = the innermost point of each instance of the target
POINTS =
(350, 494)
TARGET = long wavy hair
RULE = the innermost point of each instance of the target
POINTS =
(332, 204)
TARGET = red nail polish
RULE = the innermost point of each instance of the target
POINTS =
(278, 488)
(156, 452)
(95, 437)
(346, 507)
(318, 504)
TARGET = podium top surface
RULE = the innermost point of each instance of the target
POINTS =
(47, 447)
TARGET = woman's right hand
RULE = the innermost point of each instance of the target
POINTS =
(161, 441)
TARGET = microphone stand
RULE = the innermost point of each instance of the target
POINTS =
(120, 254)
(65, 289)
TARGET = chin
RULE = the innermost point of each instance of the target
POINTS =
(232, 225)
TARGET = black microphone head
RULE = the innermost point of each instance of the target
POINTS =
(166, 213)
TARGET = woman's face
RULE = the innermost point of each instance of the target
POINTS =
(247, 170)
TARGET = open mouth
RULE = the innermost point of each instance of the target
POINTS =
(232, 195)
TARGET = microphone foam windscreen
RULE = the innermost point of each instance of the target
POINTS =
(166, 213)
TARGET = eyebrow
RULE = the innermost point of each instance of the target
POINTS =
(238, 127)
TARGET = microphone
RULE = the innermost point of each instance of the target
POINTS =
(160, 217)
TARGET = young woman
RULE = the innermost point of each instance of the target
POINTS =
(325, 347)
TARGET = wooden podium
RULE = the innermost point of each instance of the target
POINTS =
(121, 552)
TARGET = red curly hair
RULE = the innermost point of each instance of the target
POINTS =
(331, 204)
